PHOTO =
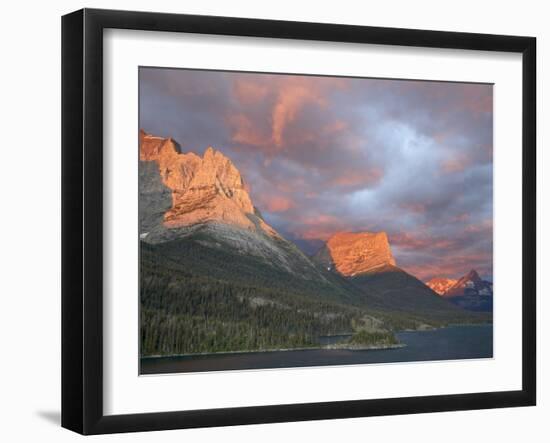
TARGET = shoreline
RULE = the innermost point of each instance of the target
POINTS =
(263, 351)
(334, 346)
(436, 328)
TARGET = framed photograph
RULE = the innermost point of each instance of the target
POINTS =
(269, 221)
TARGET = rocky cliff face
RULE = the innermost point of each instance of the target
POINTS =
(352, 253)
(203, 189)
(365, 259)
(187, 200)
(440, 284)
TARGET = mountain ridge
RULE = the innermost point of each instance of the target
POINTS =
(366, 260)
(210, 264)
(440, 285)
(203, 189)
(470, 292)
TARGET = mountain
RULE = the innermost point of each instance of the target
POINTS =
(205, 200)
(187, 198)
(471, 292)
(470, 284)
(365, 259)
(202, 189)
(215, 276)
(355, 253)
(441, 285)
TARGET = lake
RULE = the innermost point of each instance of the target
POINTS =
(451, 343)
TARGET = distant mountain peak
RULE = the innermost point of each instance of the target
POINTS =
(470, 284)
(204, 189)
(473, 275)
(470, 278)
(352, 253)
(441, 285)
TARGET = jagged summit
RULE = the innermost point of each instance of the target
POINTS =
(151, 146)
(469, 292)
(448, 287)
(190, 202)
(472, 275)
(352, 253)
(203, 189)
(365, 259)
(470, 284)
(441, 284)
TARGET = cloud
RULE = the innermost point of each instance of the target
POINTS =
(294, 93)
(277, 203)
(243, 131)
(321, 226)
(356, 178)
(275, 103)
(248, 91)
(455, 165)
(324, 154)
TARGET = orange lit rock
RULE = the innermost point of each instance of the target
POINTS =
(441, 285)
(208, 188)
(354, 253)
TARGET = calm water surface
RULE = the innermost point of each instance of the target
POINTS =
(452, 343)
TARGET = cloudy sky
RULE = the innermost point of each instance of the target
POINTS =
(329, 154)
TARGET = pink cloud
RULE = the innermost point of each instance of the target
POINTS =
(413, 241)
(461, 217)
(485, 225)
(318, 227)
(244, 131)
(353, 179)
(455, 165)
(477, 98)
(277, 204)
(414, 207)
(335, 126)
(295, 184)
(286, 97)
(249, 91)
(293, 94)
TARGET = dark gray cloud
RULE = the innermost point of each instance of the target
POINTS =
(325, 154)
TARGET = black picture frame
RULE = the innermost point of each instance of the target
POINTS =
(82, 218)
